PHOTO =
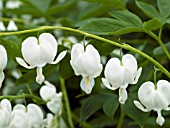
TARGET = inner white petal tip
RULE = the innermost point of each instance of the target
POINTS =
(87, 84)
(122, 95)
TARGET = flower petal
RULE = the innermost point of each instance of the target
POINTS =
(114, 73)
(12, 26)
(48, 45)
(60, 57)
(87, 84)
(107, 84)
(40, 77)
(140, 106)
(3, 58)
(137, 75)
(47, 92)
(2, 27)
(2, 76)
(130, 64)
(122, 95)
(23, 63)
(98, 71)
(77, 50)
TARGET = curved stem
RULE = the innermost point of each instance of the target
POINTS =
(14, 19)
(68, 110)
(125, 46)
(120, 122)
(160, 42)
(10, 97)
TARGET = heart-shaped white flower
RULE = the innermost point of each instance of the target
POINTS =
(154, 97)
(121, 73)
(3, 63)
(86, 62)
(37, 53)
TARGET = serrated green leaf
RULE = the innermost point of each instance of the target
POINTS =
(133, 112)
(114, 3)
(110, 106)
(152, 24)
(108, 26)
(128, 17)
(164, 8)
(148, 9)
(92, 104)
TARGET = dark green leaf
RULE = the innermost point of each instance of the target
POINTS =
(133, 112)
(110, 106)
(152, 24)
(126, 16)
(108, 26)
(91, 105)
(148, 9)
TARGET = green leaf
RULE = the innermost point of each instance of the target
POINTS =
(133, 112)
(128, 17)
(149, 10)
(108, 26)
(164, 8)
(114, 3)
(152, 24)
(110, 106)
(42, 6)
(92, 104)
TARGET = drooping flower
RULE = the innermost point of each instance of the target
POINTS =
(12, 26)
(30, 117)
(11, 4)
(86, 62)
(121, 73)
(154, 97)
(5, 113)
(37, 53)
(54, 100)
(3, 63)
(2, 26)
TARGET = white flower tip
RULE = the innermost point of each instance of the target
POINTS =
(60, 57)
(107, 84)
(12, 26)
(23, 63)
(160, 120)
(87, 84)
(40, 77)
(2, 77)
(140, 106)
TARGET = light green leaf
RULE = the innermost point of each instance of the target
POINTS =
(128, 17)
(108, 26)
(152, 24)
(164, 8)
(148, 9)
(110, 106)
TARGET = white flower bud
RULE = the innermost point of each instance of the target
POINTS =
(121, 73)
(37, 53)
(11, 4)
(154, 97)
(3, 63)
(12, 26)
(86, 62)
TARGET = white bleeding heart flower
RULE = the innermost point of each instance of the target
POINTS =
(12, 26)
(32, 116)
(37, 53)
(154, 97)
(121, 73)
(86, 62)
(54, 100)
(3, 63)
(12, 4)
(2, 26)
(5, 113)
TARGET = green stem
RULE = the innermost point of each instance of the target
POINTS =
(68, 110)
(29, 89)
(14, 19)
(125, 46)
(160, 42)
(10, 97)
(120, 122)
